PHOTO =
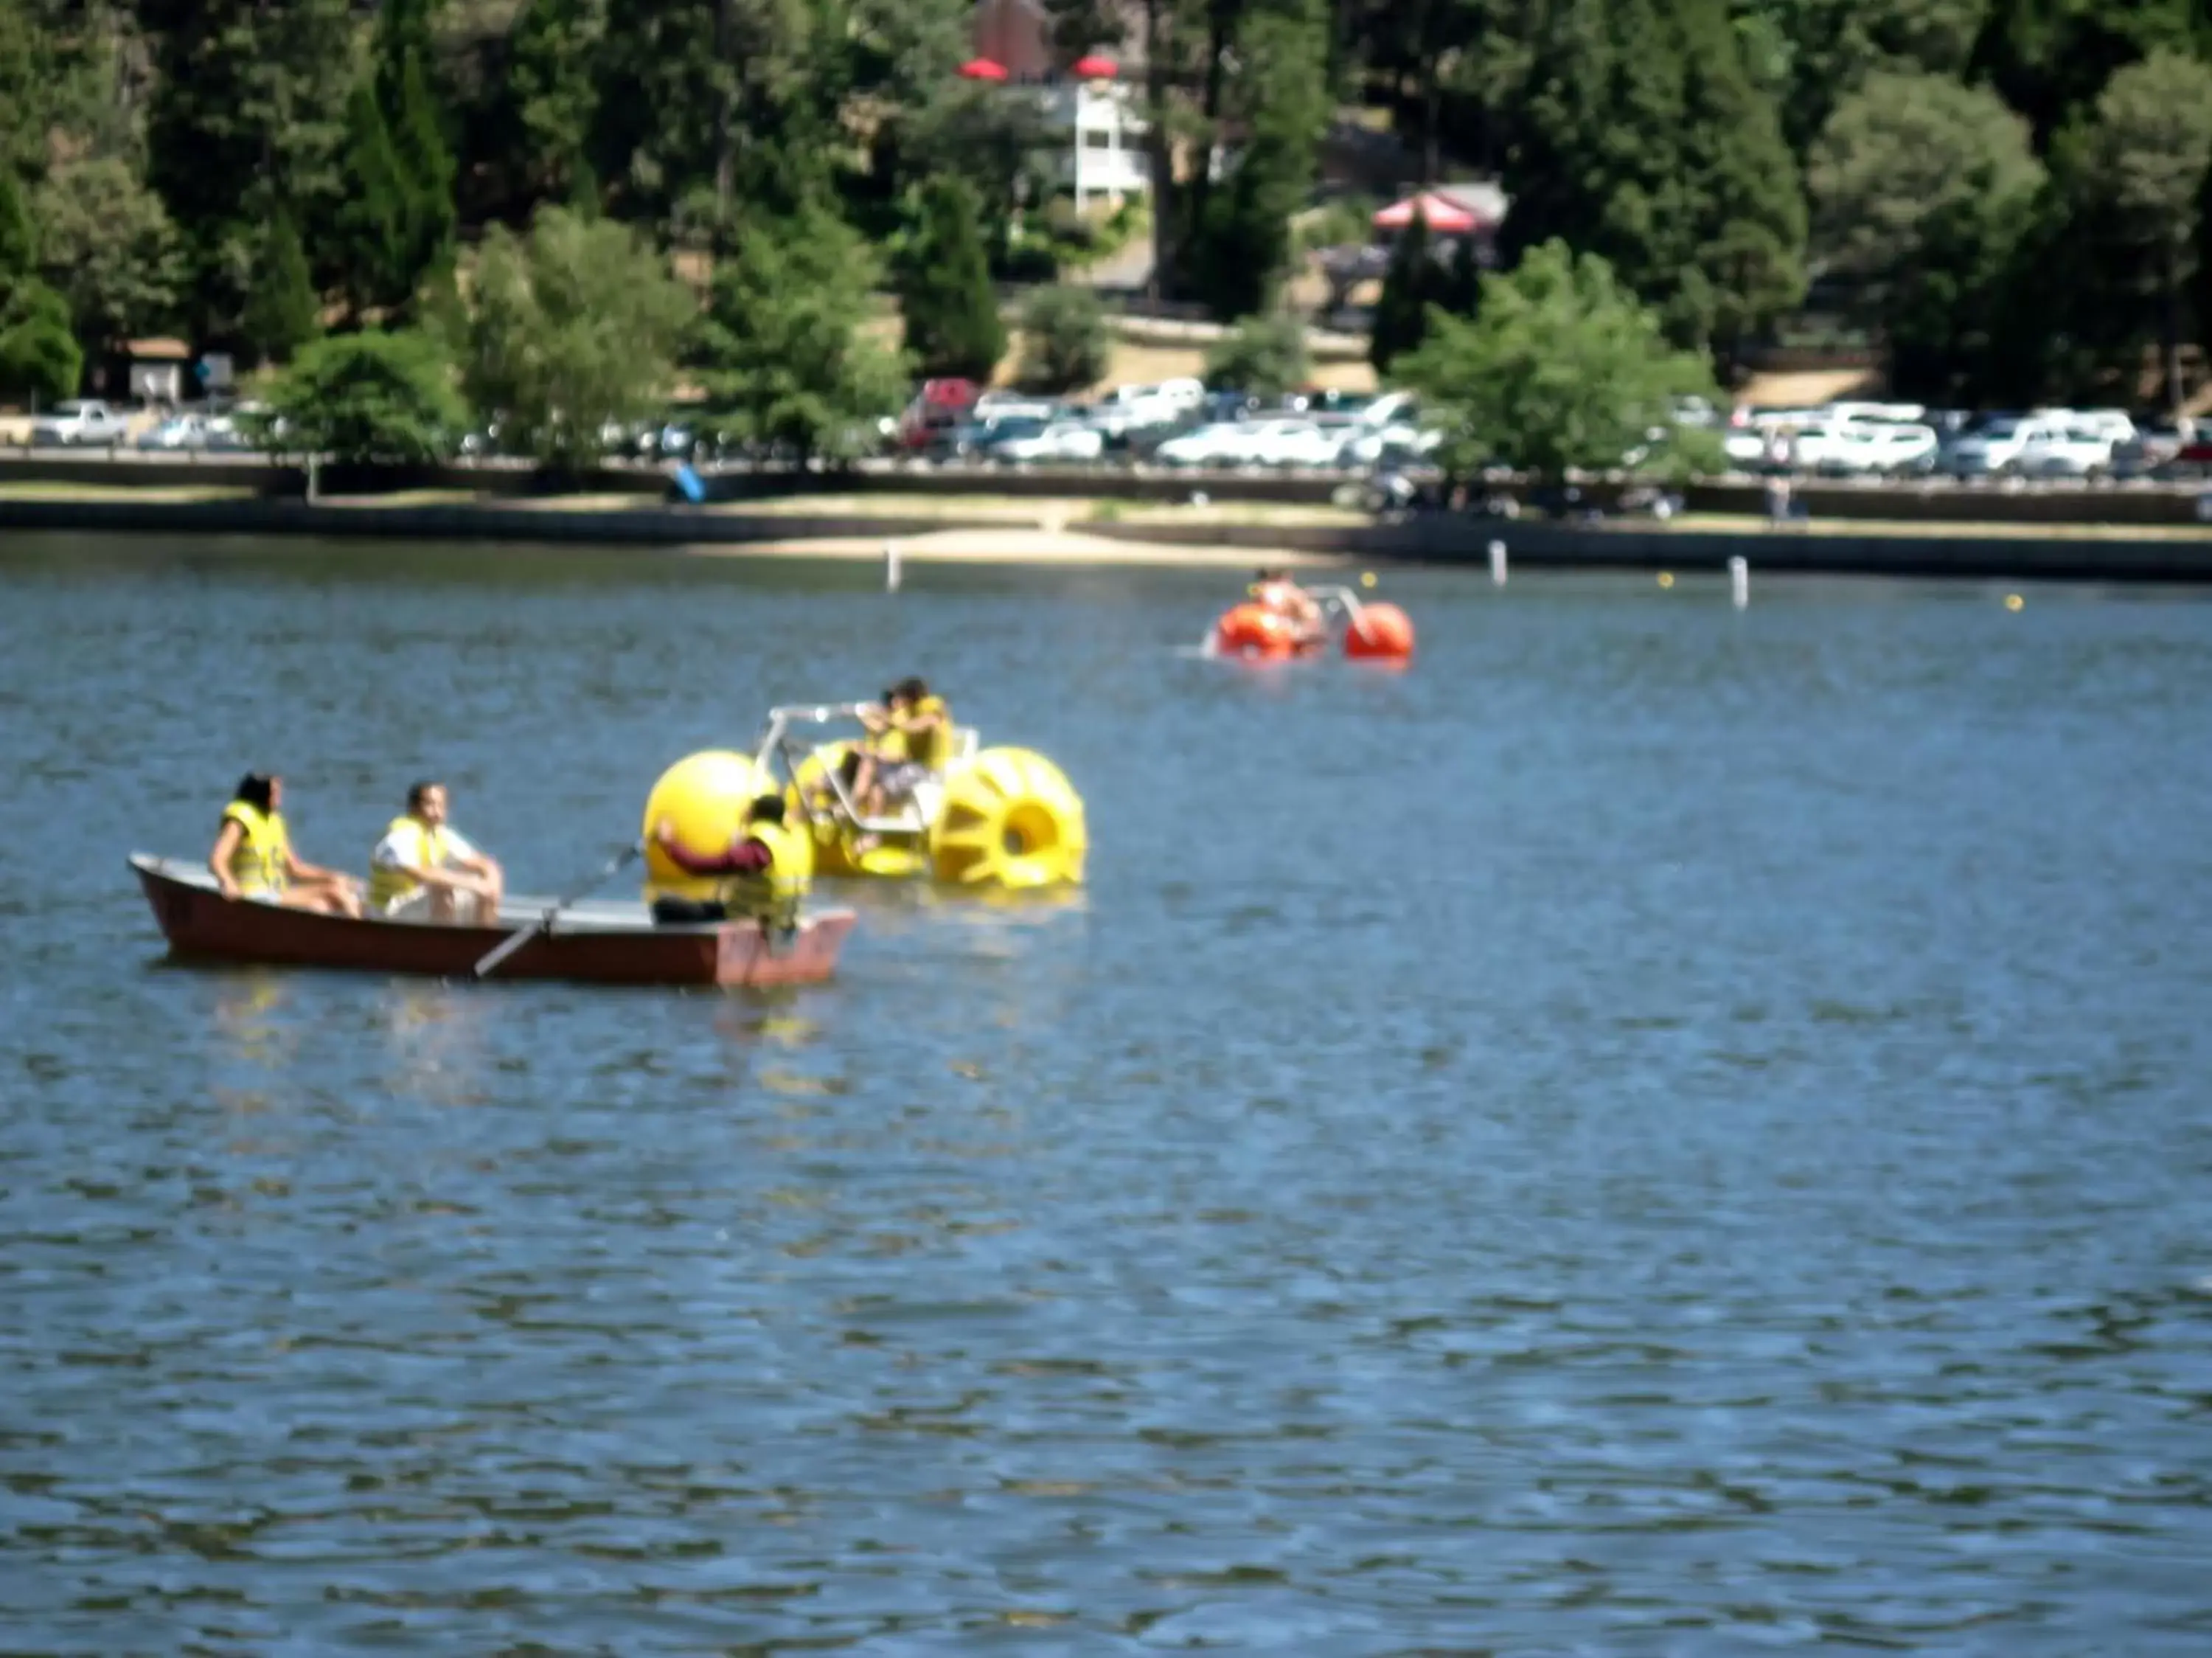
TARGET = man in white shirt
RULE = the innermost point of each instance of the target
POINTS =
(422, 870)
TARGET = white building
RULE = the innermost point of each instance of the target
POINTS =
(1089, 105)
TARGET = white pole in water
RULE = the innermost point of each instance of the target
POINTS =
(1739, 582)
(1498, 562)
(891, 567)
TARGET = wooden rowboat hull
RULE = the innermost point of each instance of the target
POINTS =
(594, 943)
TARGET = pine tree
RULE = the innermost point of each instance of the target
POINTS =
(374, 221)
(426, 165)
(19, 237)
(283, 310)
(1401, 319)
(1245, 243)
(1745, 198)
(952, 325)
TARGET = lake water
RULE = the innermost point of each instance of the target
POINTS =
(1660, 1130)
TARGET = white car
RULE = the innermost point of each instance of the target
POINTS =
(186, 431)
(1399, 438)
(82, 421)
(1879, 449)
(1290, 443)
(1131, 408)
(2071, 451)
(2031, 446)
(1223, 444)
(1058, 440)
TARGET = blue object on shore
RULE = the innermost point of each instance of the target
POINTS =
(693, 486)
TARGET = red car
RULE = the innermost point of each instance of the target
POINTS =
(940, 404)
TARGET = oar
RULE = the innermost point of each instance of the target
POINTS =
(515, 940)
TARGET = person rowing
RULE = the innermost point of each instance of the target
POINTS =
(424, 869)
(252, 857)
(769, 868)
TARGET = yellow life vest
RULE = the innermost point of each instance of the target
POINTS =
(387, 886)
(773, 896)
(932, 747)
(258, 862)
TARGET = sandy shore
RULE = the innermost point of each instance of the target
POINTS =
(1019, 546)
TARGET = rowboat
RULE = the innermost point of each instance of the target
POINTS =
(595, 942)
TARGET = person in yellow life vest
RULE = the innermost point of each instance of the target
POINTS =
(767, 868)
(252, 857)
(424, 871)
(920, 723)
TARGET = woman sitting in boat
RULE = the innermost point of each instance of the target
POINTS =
(917, 727)
(253, 857)
(769, 867)
(424, 871)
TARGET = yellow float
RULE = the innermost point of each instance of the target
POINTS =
(702, 798)
(995, 819)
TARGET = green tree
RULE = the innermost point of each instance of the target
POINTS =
(549, 100)
(1065, 345)
(247, 109)
(1280, 97)
(1265, 356)
(567, 330)
(1561, 369)
(2049, 59)
(703, 107)
(1810, 55)
(1746, 229)
(370, 396)
(283, 310)
(19, 234)
(782, 348)
(39, 353)
(952, 325)
(1410, 286)
(2143, 165)
(1921, 190)
(1639, 137)
(980, 135)
(108, 248)
(38, 356)
(372, 239)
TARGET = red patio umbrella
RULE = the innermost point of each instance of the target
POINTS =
(1092, 67)
(982, 69)
(1444, 215)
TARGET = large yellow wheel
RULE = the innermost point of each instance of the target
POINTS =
(1009, 819)
(703, 797)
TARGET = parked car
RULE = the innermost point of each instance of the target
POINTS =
(1218, 444)
(1056, 440)
(1294, 443)
(1879, 449)
(178, 432)
(1996, 445)
(1131, 408)
(79, 422)
(2033, 446)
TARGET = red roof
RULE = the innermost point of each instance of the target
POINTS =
(983, 68)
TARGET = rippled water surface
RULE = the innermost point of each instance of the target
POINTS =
(1660, 1130)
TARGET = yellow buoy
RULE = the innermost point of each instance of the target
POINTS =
(1367, 578)
(703, 798)
(2014, 602)
(1009, 819)
(1666, 578)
